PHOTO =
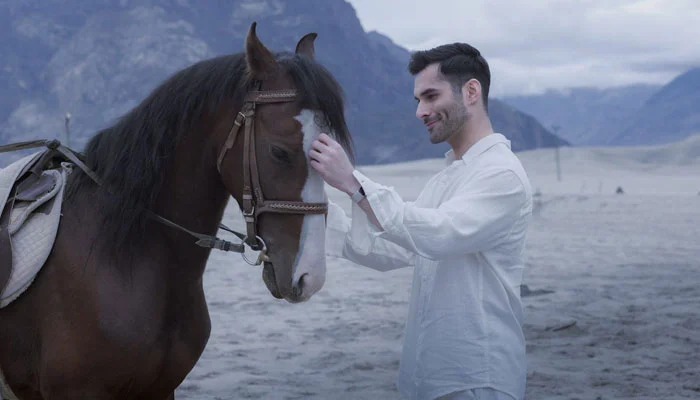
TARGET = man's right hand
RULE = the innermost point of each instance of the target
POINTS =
(329, 159)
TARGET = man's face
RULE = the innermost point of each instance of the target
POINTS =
(441, 109)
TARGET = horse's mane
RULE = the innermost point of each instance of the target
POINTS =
(318, 90)
(130, 156)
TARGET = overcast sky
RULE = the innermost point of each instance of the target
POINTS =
(541, 44)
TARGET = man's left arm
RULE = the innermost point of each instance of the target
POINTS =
(479, 216)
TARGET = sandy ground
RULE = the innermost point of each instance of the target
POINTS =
(613, 310)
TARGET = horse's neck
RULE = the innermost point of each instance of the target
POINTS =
(193, 198)
(195, 202)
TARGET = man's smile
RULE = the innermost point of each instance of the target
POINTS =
(432, 122)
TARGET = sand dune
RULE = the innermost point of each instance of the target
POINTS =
(614, 310)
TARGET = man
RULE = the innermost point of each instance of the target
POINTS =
(464, 235)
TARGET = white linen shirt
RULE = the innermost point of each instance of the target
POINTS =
(464, 235)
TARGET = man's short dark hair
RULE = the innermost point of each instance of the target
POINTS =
(458, 62)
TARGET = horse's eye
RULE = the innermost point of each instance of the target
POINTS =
(280, 154)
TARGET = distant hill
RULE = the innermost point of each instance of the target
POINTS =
(586, 116)
(631, 115)
(649, 170)
(685, 152)
(672, 113)
(98, 59)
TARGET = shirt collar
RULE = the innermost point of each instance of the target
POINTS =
(479, 147)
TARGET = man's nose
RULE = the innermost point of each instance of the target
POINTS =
(421, 111)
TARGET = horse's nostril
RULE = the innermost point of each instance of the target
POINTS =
(299, 287)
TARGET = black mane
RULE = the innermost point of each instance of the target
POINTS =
(130, 155)
(319, 91)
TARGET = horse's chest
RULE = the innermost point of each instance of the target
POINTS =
(162, 336)
(185, 343)
(164, 359)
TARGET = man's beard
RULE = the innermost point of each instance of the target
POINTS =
(452, 120)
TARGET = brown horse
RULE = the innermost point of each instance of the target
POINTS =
(118, 310)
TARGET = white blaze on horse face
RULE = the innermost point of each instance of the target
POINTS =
(311, 259)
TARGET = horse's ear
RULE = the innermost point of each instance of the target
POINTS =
(306, 45)
(260, 60)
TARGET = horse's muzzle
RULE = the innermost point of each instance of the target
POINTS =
(268, 275)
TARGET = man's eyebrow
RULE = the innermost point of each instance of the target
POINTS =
(425, 92)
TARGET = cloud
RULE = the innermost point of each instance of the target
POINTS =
(548, 44)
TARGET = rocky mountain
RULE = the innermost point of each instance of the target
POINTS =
(96, 60)
(630, 115)
(585, 116)
(671, 114)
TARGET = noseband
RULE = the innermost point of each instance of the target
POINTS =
(253, 200)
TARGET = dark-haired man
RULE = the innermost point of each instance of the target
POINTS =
(464, 235)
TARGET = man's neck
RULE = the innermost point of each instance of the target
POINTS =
(474, 130)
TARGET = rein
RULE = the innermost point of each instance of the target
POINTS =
(254, 203)
(203, 240)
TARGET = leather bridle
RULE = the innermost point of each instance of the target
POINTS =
(253, 202)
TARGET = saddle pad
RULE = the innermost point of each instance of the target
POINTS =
(9, 175)
(33, 231)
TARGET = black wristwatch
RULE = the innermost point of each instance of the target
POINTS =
(359, 195)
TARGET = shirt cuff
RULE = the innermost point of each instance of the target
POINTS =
(386, 204)
(337, 229)
(363, 233)
(367, 184)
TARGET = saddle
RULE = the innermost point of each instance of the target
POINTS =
(31, 195)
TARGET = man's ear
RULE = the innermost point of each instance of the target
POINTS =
(471, 92)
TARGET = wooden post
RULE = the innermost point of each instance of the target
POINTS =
(67, 129)
(556, 129)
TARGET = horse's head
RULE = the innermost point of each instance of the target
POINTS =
(291, 100)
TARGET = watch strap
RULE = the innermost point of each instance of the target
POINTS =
(358, 195)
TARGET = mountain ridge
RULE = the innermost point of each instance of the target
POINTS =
(634, 115)
(97, 60)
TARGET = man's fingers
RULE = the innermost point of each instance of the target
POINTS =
(318, 145)
(327, 140)
(315, 155)
(328, 150)
(318, 166)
